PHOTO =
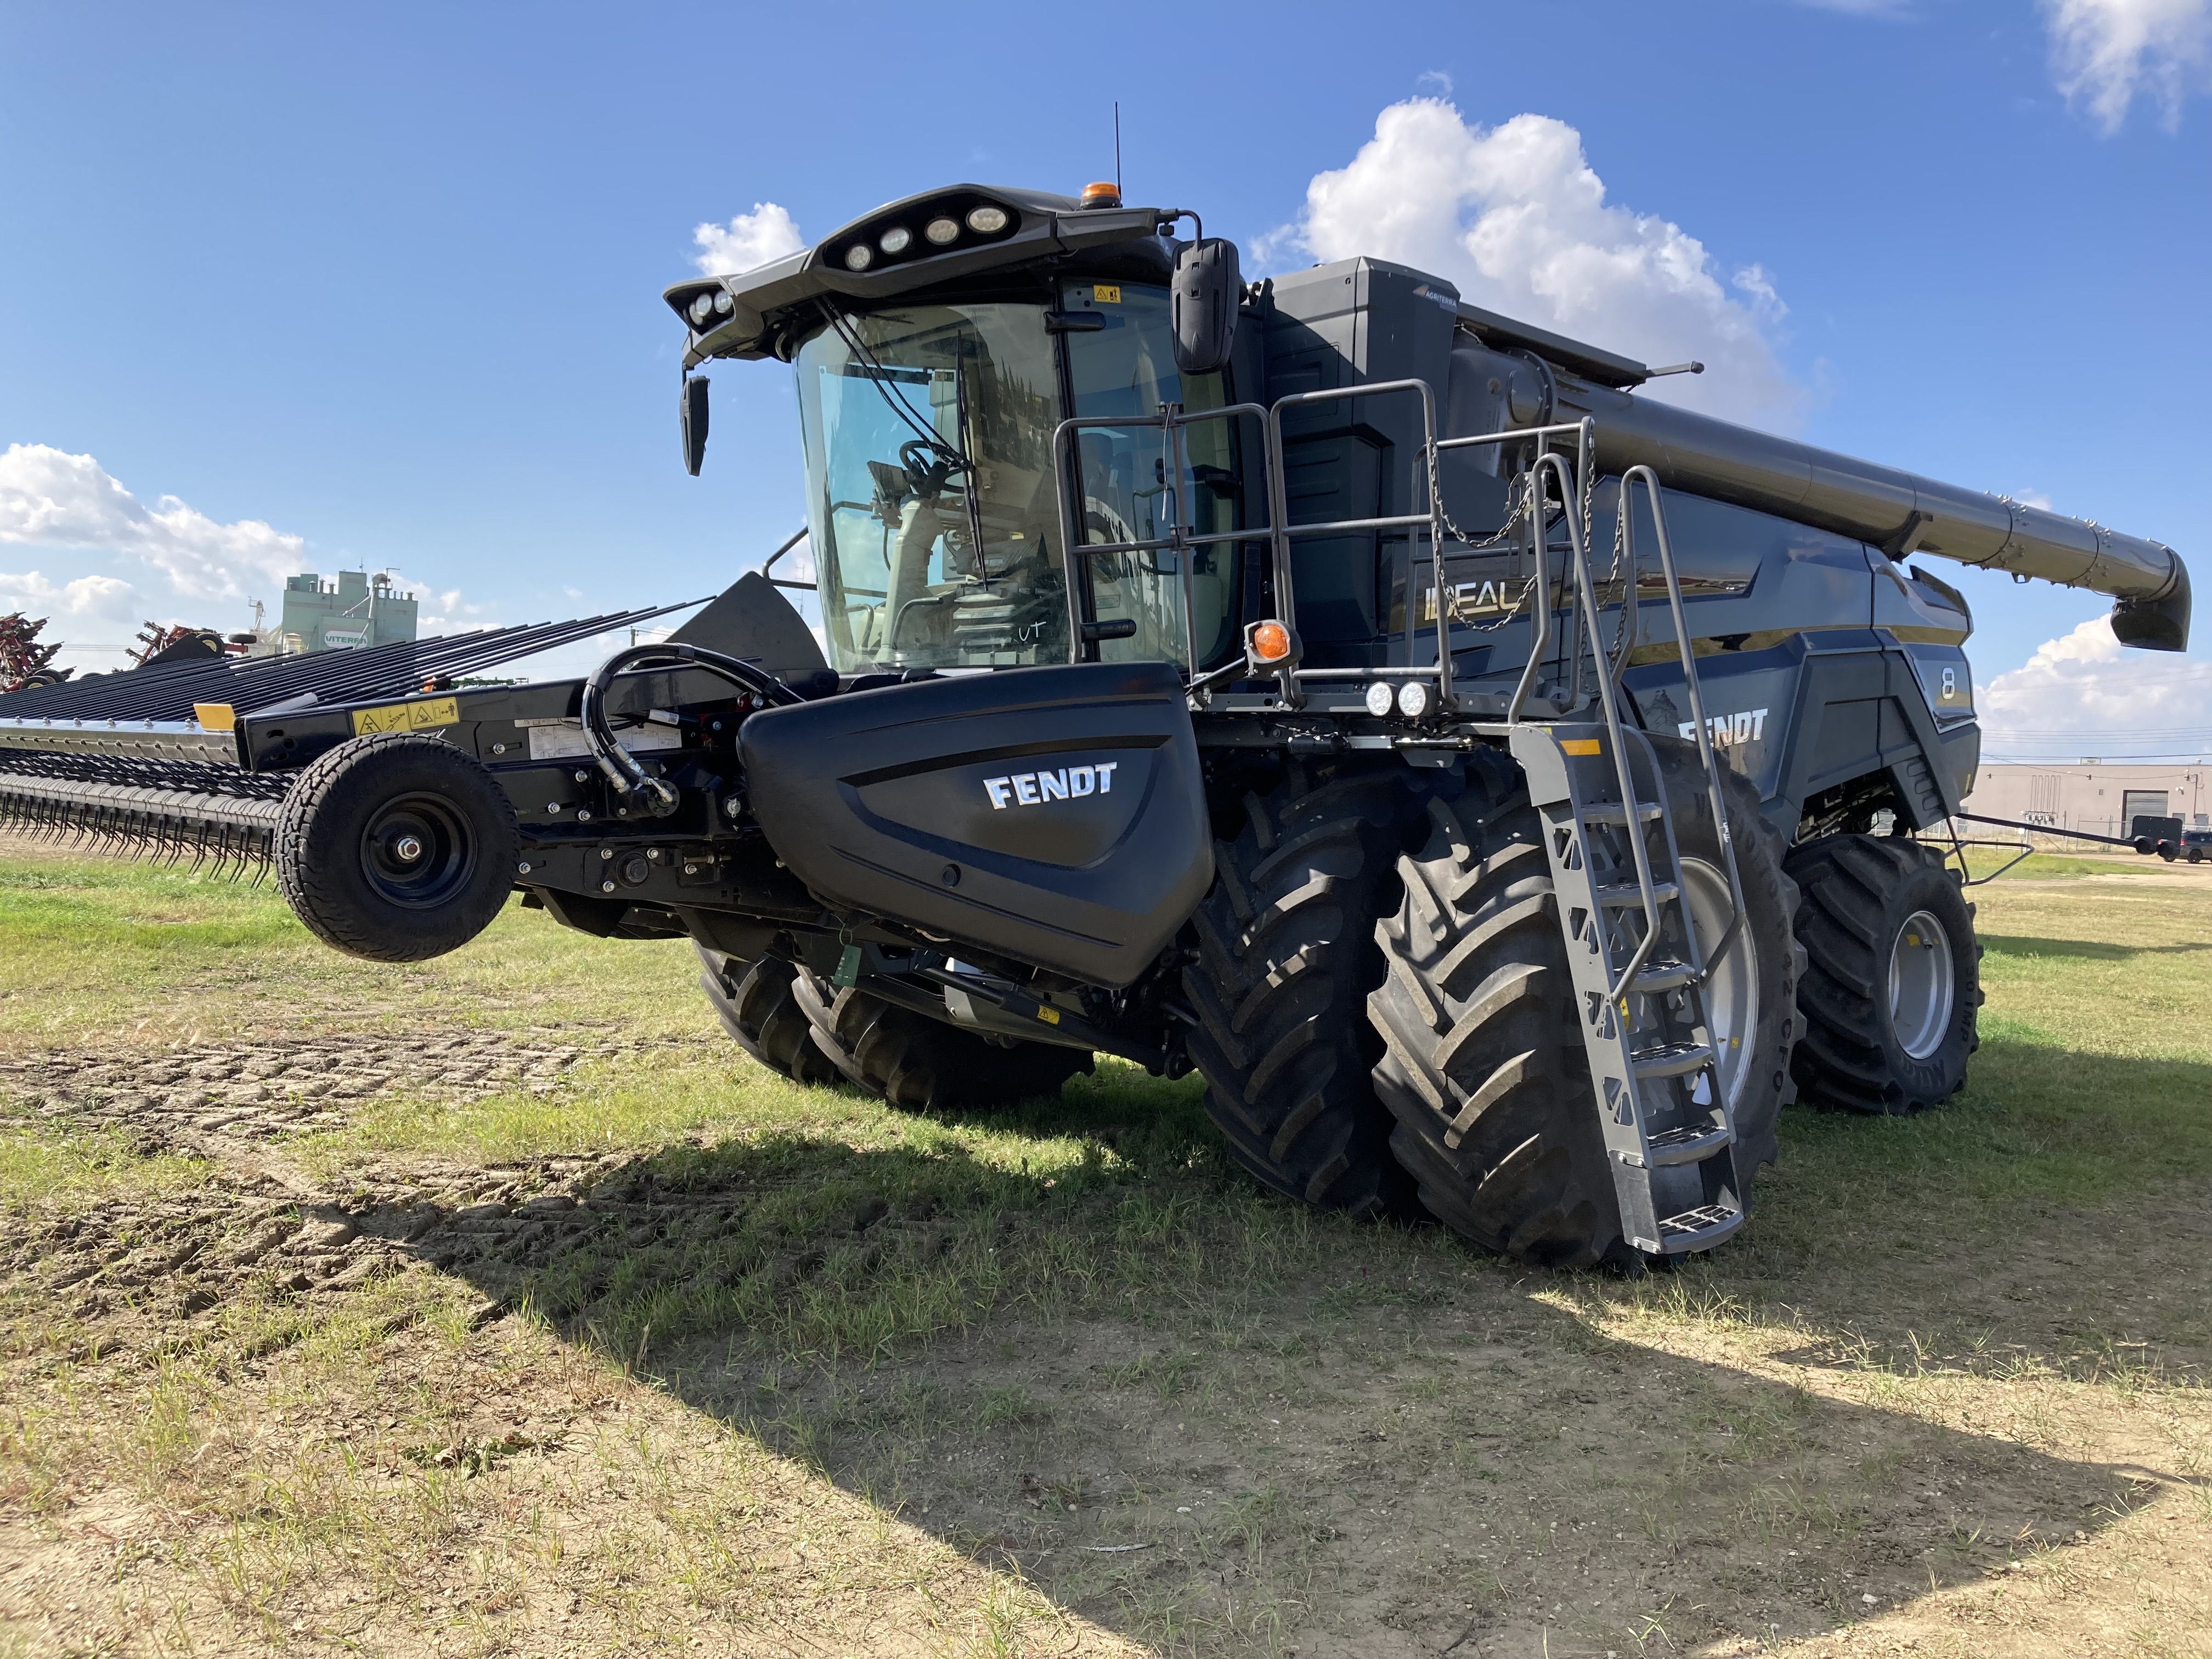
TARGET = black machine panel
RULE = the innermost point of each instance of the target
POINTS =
(1054, 815)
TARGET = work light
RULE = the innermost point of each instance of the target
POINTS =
(987, 221)
(860, 257)
(895, 240)
(942, 231)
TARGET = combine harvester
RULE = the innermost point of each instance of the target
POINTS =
(1507, 790)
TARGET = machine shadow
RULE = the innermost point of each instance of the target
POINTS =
(1150, 1388)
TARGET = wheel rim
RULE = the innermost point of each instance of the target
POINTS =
(416, 852)
(1920, 985)
(1731, 991)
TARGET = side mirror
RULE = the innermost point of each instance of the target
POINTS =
(692, 408)
(1204, 296)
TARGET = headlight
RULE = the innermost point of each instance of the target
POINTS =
(860, 257)
(987, 221)
(1380, 699)
(942, 232)
(1413, 699)
(702, 308)
(895, 240)
(724, 304)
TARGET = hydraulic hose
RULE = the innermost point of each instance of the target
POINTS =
(639, 789)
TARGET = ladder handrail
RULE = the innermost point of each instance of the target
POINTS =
(1686, 651)
(1632, 825)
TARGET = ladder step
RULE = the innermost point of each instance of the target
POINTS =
(1664, 976)
(1672, 1058)
(1612, 812)
(1699, 1229)
(1623, 894)
(1689, 1144)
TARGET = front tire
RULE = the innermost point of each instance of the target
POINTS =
(757, 1005)
(794, 1025)
(1893, 987)
(1485, 1070)
(1286, 958)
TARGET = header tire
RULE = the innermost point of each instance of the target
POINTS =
(395, 848)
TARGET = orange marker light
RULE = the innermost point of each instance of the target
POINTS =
(1106, 194)
(1271, 643)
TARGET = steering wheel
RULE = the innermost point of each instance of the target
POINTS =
(913, 450)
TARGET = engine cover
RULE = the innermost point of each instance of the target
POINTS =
(1052, 815)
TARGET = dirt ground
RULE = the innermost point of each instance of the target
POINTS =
(547, 1338)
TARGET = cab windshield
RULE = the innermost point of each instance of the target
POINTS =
(932, 504)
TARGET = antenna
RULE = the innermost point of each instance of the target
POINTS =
(1117, 147)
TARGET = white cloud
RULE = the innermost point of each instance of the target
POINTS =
(1515, 216)
(2104, 52)
(2086, 683)
(108, 563)
(751, 239)
(49, 498)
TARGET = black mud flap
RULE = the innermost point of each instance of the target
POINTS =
(1052, 815)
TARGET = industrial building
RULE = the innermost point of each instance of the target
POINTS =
(357, 611)
(2089, 795)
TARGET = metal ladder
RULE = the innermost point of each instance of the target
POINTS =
(1639, 972)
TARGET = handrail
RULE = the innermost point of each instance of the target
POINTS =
(1170, 420)
(1279, 511)
(1685, 650)
(1578, 550)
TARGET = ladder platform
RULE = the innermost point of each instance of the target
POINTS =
(1689, 1143)
(1612, 812)
(1623, 894)
(1663, 976)
(1672, 1058)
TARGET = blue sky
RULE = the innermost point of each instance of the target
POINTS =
(386, 281)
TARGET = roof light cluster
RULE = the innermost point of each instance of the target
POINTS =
(714, 303)
(941, 229)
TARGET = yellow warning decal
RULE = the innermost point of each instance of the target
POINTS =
(1106, 294)
(407, 716)
(1579, 745)
(215, 716)
(1049, 1015)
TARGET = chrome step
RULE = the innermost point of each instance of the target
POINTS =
(1672, 1058)
(1689, 1144)
(1668, 976)
(1699, 1229)
(1628, 893)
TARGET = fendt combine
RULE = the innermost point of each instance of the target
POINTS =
(1504, 787)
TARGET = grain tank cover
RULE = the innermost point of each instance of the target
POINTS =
(1054, 815)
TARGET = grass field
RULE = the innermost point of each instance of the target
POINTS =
(500, 1305)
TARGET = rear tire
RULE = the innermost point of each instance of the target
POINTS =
(1891, 1004)
(1485, 1070)
(1287, 955)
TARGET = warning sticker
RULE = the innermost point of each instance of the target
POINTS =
(1106, 294)
(407, 716)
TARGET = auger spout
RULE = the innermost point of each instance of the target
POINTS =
(1900, 512)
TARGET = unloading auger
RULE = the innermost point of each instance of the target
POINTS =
(1508, 791)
